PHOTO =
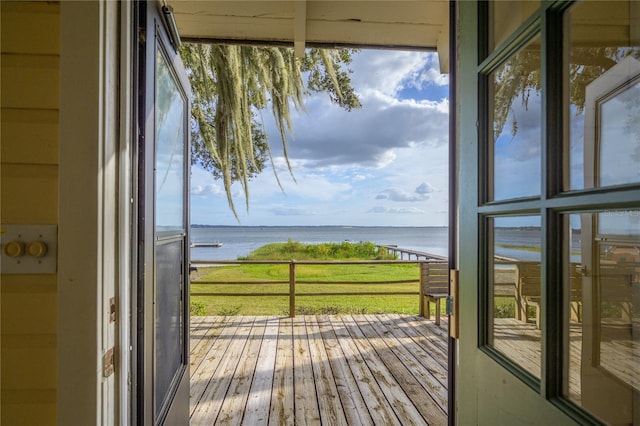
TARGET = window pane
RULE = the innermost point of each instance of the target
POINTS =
(602, 314)
(515, 290)
(170, 150)
(618, 137)
(506, 17)
(516, 131)
(604, 106)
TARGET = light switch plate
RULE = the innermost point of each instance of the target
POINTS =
(26, 234)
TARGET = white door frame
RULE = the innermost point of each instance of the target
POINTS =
(95, 213)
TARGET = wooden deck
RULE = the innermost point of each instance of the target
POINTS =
(618, 350)
(318, 370)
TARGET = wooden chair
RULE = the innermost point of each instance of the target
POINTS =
(434, 286)
(616, 283)
(528, 288)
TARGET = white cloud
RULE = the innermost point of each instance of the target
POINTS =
(432, 74)
(309, 185)
(291, 211)
(209, 189)
(421, 193)
(366, 136)
(389, 72)
(384, 159)
(203, 184)
(326, 135)
(396, 210)
(424, 188)
(343, 160)
(518, 156)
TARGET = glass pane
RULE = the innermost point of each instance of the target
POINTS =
(506, 17)
(516, 131)
(618, 138)
(515, 290)
(602, 314)
(170, 150)
(604, 101)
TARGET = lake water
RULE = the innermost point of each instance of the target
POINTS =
(239, 241)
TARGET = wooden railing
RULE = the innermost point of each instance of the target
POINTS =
(422, 283)
(400, 252)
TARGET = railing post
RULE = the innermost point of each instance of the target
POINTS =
(521, 307)
(292, 289)
(421, 290)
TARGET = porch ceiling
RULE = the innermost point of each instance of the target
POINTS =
(407, 24)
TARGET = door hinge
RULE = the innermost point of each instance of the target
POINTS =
(582, 269)
(449, 310)
(108, 363)
(452, 304)
(112, 310)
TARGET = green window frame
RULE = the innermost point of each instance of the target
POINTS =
(553, 203)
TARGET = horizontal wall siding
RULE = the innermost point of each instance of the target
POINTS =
(31, 27)
(30, 81)
(35, 133)
(29, 195)
(36, 296)
(29, 407)
(36, 349)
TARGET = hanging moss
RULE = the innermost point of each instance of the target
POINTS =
(231, 84)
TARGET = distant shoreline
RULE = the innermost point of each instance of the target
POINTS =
(311, 226)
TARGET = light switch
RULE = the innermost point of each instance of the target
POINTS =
(14, 248)
(37, 249)
(29, 249)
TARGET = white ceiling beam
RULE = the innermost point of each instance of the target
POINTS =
(442, 47)
(300, 27)
(399, 24)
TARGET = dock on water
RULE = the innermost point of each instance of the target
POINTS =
(212, 244)
(398, 251)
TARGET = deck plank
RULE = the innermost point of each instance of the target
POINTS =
(389, 352)
(379, 408)
(282, 399)
(202, 371)
(429, 374)
(208, 408)
(235, 400)
(432, 342)
(306, 398)
(433, 360)
(329, 404)
(521, 342)
(317, 370)
(197, 330)
(259, 401)
(206, 332)
(355, 409)
(379, 366)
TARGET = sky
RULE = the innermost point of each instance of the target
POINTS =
(385, 164)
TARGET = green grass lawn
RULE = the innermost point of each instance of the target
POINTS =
(279, 305)
(334, 277)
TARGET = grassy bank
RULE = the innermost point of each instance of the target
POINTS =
(519, 247)
(356, 275)
(362, 250)
(336, 275)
